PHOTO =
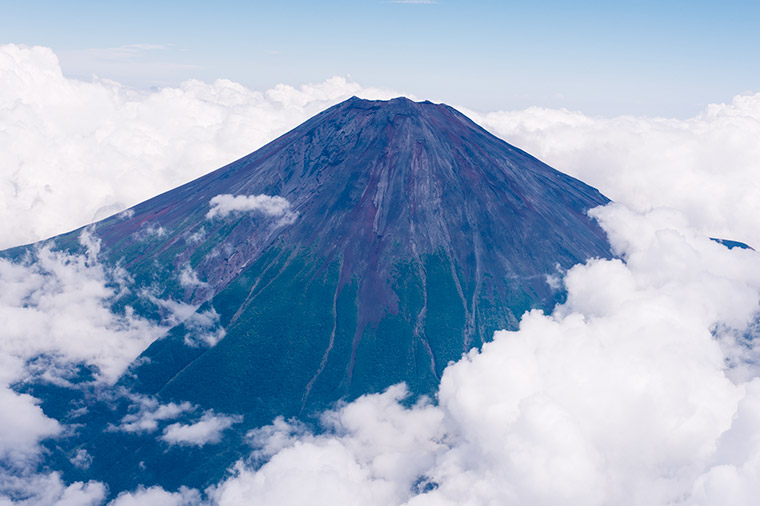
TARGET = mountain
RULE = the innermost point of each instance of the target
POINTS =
(373, 244)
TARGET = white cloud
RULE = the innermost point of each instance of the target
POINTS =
(150, 232)
(148, 412)
(705, 166)
(202, 327)
(207, 430)
(372, 455)
(22, 423)
(81, 459)
(59, 305)
(49, 490)
(62, 137)
(57, 313)
(275, 206)
(106, 146)
(642, 389)
(156, 496)
(189, 278)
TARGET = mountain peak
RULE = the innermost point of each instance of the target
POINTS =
(373, 244)
(386, 200)
(397, 105)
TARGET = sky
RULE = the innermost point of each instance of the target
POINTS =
(610, 58)
(643, 388)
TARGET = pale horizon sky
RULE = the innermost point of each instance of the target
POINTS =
(604, 58)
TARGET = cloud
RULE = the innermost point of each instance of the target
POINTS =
(202, 327)
(106, 146)
(58, 316)
(59, 305)
(49, 489)
(189, 278)
(643, 388)
(81, 459)
(148, 412)
(705, 166)
(207, 430)
(373, 453)
(126, 51)
(275, 206)
(22, 423)
(156, 496)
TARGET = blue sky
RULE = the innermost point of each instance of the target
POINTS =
(639, 57)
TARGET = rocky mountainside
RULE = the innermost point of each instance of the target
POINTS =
(373, 244)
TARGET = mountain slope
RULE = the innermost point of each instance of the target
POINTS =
(408, 234)
(417, 235)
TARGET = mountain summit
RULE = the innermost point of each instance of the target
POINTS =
(373, 244)
(410, 235)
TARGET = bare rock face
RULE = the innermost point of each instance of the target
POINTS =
(406, 236)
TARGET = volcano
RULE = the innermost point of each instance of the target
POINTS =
(373, 244)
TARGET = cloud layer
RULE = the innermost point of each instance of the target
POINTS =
(705, 166)
(642, 389)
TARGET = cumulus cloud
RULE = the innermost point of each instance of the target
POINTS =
(275, 206)
(106, 146)
(189, 278)
(207, 430)
(49, 489)
(156, 496)
(373, 453)
(705, 166)
(147, 412)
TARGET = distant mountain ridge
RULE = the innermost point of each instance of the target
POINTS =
(373, 244)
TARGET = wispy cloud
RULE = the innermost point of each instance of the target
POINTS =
(126, 51)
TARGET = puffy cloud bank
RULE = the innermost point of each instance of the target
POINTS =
(706, 166)
(642, 389)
